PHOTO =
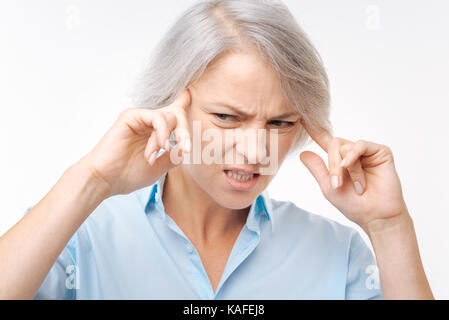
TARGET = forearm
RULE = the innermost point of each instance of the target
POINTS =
(30, 248)
(401, 271)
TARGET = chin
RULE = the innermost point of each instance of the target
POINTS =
(235, 199)
(235, 202)
(234, 193)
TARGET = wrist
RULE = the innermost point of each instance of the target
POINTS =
(393, 239)
(91, 182)
(391, 225)
(401, 270)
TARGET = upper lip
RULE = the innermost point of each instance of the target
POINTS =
(247, 171)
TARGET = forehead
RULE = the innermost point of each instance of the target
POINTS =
(244, 80)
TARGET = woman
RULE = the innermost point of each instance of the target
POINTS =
(138, 217)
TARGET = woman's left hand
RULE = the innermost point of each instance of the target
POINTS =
(378, 199)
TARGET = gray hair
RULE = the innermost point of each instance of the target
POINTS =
(210, 28)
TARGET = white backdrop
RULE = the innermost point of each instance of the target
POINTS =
(67, 67)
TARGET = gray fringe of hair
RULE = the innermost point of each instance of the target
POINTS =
(211, 28)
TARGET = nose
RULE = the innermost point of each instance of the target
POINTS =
(252, 145)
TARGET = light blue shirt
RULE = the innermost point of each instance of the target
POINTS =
(128, 248)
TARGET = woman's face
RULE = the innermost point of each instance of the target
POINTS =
(239, 92)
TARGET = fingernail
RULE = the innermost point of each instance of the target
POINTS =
(334, 182)
(342, 164)
(358, 187)
(167, 145)
(153, 158)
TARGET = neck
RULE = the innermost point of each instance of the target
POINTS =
(200, 217)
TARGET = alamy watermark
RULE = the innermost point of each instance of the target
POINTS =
(73, 279)
(372, 281)
(373, 17)
(233, 147)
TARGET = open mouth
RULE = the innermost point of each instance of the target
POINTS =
(241, 180)
(240, 175)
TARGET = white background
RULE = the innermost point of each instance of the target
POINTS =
(66, 69)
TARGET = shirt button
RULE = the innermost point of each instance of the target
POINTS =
(156, 196)
(189, 248)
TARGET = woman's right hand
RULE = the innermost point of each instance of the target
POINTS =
(125, 158)
(118, 164)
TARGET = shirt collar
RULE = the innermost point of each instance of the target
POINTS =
(152, 195)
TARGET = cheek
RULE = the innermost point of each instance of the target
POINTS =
(213, 143)
(203, 175)
(284, 142)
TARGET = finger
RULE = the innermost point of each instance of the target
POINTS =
(152, 148)
(358, 177)
(335, 170)
(163, 163)
(138, 119)
(354, 168)
(321, 136)
(163, 124)
(357, 150)
(317, 168)
(182, 132)
(182, 101)
(352, 161)
(178, 107)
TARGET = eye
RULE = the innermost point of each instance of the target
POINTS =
(225, 117)
(282, 124)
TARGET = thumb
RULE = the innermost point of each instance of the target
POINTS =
(163, 163)
(317, 168)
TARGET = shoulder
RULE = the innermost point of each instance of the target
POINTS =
(320, 244)
(118, 209)
(288, 217)
(117, 216)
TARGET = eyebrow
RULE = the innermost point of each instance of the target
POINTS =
(241, 113)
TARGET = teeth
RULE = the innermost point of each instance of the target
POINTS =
(239, 175)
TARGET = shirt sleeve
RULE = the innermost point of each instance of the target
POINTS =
(363, 275)
(60, 283)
